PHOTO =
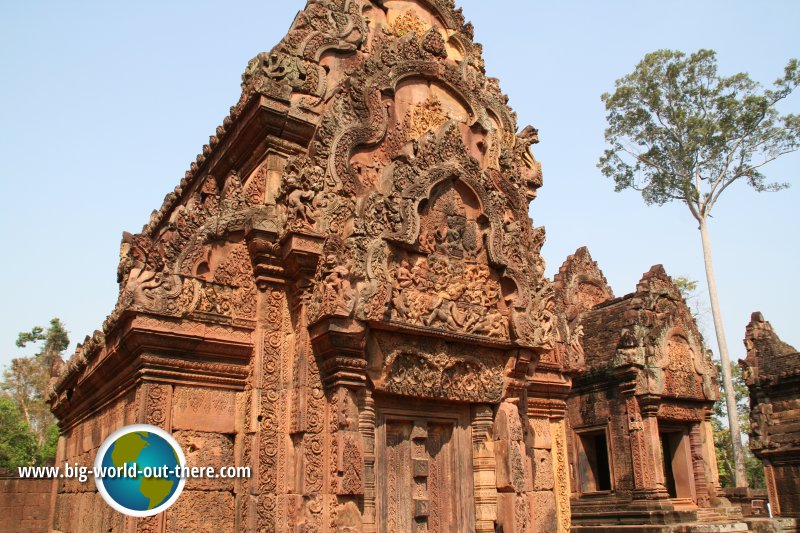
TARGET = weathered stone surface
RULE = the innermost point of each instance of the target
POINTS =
(25, 501)
(542, 466)
(202, 512)
(649, 386)
(203, 409)
(344, 293)
(204, 450)
(543, 512)
(772, 373)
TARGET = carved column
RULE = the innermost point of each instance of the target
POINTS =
(366, 426)
(154, 402)
(483, 466)
(649, 487)
(263, 446)
(702, 488)
(547, 450)
(347, 472)
(710, 456)
(513, 477)
(772, 487)
(561, 471)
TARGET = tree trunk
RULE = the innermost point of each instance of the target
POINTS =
(739, 474)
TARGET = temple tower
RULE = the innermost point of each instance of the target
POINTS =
(772, 373)
(345, 293)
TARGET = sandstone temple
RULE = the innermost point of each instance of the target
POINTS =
(345, 292)
(772, 373)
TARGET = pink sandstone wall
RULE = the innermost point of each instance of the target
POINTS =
(24, 505)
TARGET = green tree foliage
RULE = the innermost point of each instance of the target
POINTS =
(680, 131)
(677, 130)
(17, 441)
(25, 384)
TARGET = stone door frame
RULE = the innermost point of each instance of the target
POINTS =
(429, 411)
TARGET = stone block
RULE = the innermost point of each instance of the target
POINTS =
(201, 512)
(203, 450)
(507, 425)
(421, 508)
(539, 434)
(512, 472)
(543, 515)
(201, 409)
(421, 468)
(503, 470)
(542, 468)
(513, 513)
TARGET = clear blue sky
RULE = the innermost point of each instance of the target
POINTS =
(103, 105)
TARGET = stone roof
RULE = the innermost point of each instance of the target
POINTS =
(768, 357)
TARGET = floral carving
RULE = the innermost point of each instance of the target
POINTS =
(444, 376)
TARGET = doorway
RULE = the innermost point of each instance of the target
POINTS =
(593, 461)
(424, 470)
(676, 461)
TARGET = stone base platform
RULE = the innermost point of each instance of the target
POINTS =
(740, 527)
(668, 516)
(773, 525)
(747, 525)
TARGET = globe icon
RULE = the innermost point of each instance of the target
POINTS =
(137, 470)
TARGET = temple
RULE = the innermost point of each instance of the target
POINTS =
(772, 373)
(639, 433)
(345, 293)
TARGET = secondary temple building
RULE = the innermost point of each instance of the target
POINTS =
(641, 447)
(772, 373)
(346, 294)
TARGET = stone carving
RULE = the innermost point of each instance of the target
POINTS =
(772, 375)
(409, 22)
(680, 376)
(356, 231)
(293, 64)
(530, 179)
(444, 376)
(647, 372)
(561, 476)
(268, 435)
(334, 294)
(299, 191)
(426, 117)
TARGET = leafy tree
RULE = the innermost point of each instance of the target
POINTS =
(26, 379)
(17, 441)
(47, 451)
(678, 131)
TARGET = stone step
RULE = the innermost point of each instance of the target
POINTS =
(731, 527)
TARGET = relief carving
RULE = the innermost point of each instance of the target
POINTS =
(429, 368)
